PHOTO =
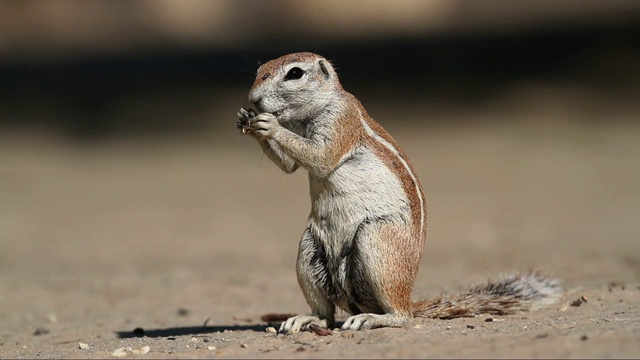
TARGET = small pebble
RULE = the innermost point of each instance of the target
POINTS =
(579, 301)
(183, 311)
(320, 331)
(211, 347)
(488, 320)
(244, 346)
(271, 329)
(194, 339)
(470, 327)
(614, 284)
(119, 352)
(143, 350)
(41, 331)
(83, 346)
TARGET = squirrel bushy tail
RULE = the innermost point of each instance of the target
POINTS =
(511, 294)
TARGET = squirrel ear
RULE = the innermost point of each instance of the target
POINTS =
(323, 68)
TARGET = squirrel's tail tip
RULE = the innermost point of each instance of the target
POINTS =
(515, 292)
(538, 288)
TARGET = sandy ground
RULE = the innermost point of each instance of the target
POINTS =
(193, 239)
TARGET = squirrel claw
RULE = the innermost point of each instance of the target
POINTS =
(246, 114)
(244, 119)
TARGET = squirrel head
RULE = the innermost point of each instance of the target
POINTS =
(295, 87)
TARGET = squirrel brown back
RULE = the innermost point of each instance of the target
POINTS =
(366, 230)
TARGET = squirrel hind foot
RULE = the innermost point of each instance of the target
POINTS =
(372, 321)
(513, 293)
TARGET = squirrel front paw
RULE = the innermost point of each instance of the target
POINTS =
(300, 323)
(244, 120)
(263, 126)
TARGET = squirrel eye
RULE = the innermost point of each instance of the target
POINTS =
(294, 74)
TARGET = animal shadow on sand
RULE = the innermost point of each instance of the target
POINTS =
(197, 330)
(188, 330)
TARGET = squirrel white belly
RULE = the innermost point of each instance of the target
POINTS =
(367, 227)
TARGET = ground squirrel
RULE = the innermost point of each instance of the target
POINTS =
(367, 227)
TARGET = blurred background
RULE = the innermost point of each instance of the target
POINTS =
(122, 174)
(113, 68)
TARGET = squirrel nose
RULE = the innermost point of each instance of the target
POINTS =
(256, 102)
(254, 98)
